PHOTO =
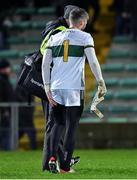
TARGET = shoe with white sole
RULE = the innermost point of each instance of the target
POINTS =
(70, 171)
(74, 160)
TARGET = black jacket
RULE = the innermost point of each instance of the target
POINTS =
(37, 61)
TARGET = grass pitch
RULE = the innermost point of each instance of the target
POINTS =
(94, 164)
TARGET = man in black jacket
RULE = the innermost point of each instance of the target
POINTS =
(52, 28)
(6, 95)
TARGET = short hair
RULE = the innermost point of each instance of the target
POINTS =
(78, 14)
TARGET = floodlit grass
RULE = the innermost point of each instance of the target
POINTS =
(94, 164)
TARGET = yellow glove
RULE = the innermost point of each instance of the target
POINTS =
(101, 88)
(99, 96)
(95, 102)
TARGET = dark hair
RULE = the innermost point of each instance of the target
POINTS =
(77, 14)
(68, 9)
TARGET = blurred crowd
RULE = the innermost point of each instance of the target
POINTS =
(125, 11)
(126, 17)
(8, 8)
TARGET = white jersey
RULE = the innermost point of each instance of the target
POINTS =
(67, 51)
(68, 58)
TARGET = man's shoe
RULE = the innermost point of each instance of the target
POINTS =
(53, 165)
(74, 160)
(70, 171)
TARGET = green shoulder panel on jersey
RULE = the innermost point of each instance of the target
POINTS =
(74, 51)
(44, 42)
(88, 46)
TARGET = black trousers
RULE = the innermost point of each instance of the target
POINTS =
(47, 138)
(64, 118)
